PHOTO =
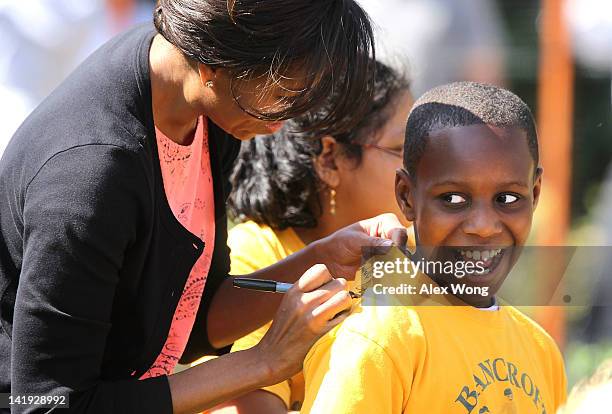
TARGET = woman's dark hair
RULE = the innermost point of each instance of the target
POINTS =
(328, 43)
(274, 179)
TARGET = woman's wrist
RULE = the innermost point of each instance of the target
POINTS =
(266, 366)
(319, 251)
(272, 366)
(220, 379)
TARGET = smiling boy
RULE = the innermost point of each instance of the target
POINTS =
(470, 185)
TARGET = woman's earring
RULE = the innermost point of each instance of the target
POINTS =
(332, 201)
(208, 84)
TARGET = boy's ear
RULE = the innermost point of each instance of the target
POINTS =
(404, 193)
(325, 164)
(537, 186)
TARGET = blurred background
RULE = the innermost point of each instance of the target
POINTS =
(555, 54)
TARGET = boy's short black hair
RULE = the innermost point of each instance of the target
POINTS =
(462, 104)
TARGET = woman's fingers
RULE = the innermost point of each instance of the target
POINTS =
(314, 305)
(326, 291)
(333, 310)
(313, 278)
(337, 320)
(399, 236)
(386, 226)
(320, 291)
(343, 251)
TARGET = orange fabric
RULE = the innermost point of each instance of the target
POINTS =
(189, 189)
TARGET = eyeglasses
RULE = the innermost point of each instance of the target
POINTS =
(260, 113)
(395, 152)
(276, 111)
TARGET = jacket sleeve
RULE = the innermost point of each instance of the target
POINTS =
(80, 215)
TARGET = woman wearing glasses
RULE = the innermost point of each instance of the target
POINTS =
(113, 257)
(292, 189)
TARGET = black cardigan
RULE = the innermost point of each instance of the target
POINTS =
(92, 260)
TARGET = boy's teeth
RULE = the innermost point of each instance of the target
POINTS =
(480, 254)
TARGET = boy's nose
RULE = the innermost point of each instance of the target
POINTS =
(482, 222)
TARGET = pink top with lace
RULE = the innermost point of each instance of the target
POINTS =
(189, 189)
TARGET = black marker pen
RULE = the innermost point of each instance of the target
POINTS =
(268, 285)
(263, 285)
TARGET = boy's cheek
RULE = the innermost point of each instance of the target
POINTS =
(521, 231)
(520, 224)
(435, 227)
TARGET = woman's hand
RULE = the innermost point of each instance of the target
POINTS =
(314, 305)
(342, 252)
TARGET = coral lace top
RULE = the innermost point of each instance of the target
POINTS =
(188, 186)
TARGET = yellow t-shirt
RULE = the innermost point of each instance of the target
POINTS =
(434, 359)
(254, 247)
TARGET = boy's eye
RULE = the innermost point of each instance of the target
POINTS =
(507, 198)
(454, 199)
